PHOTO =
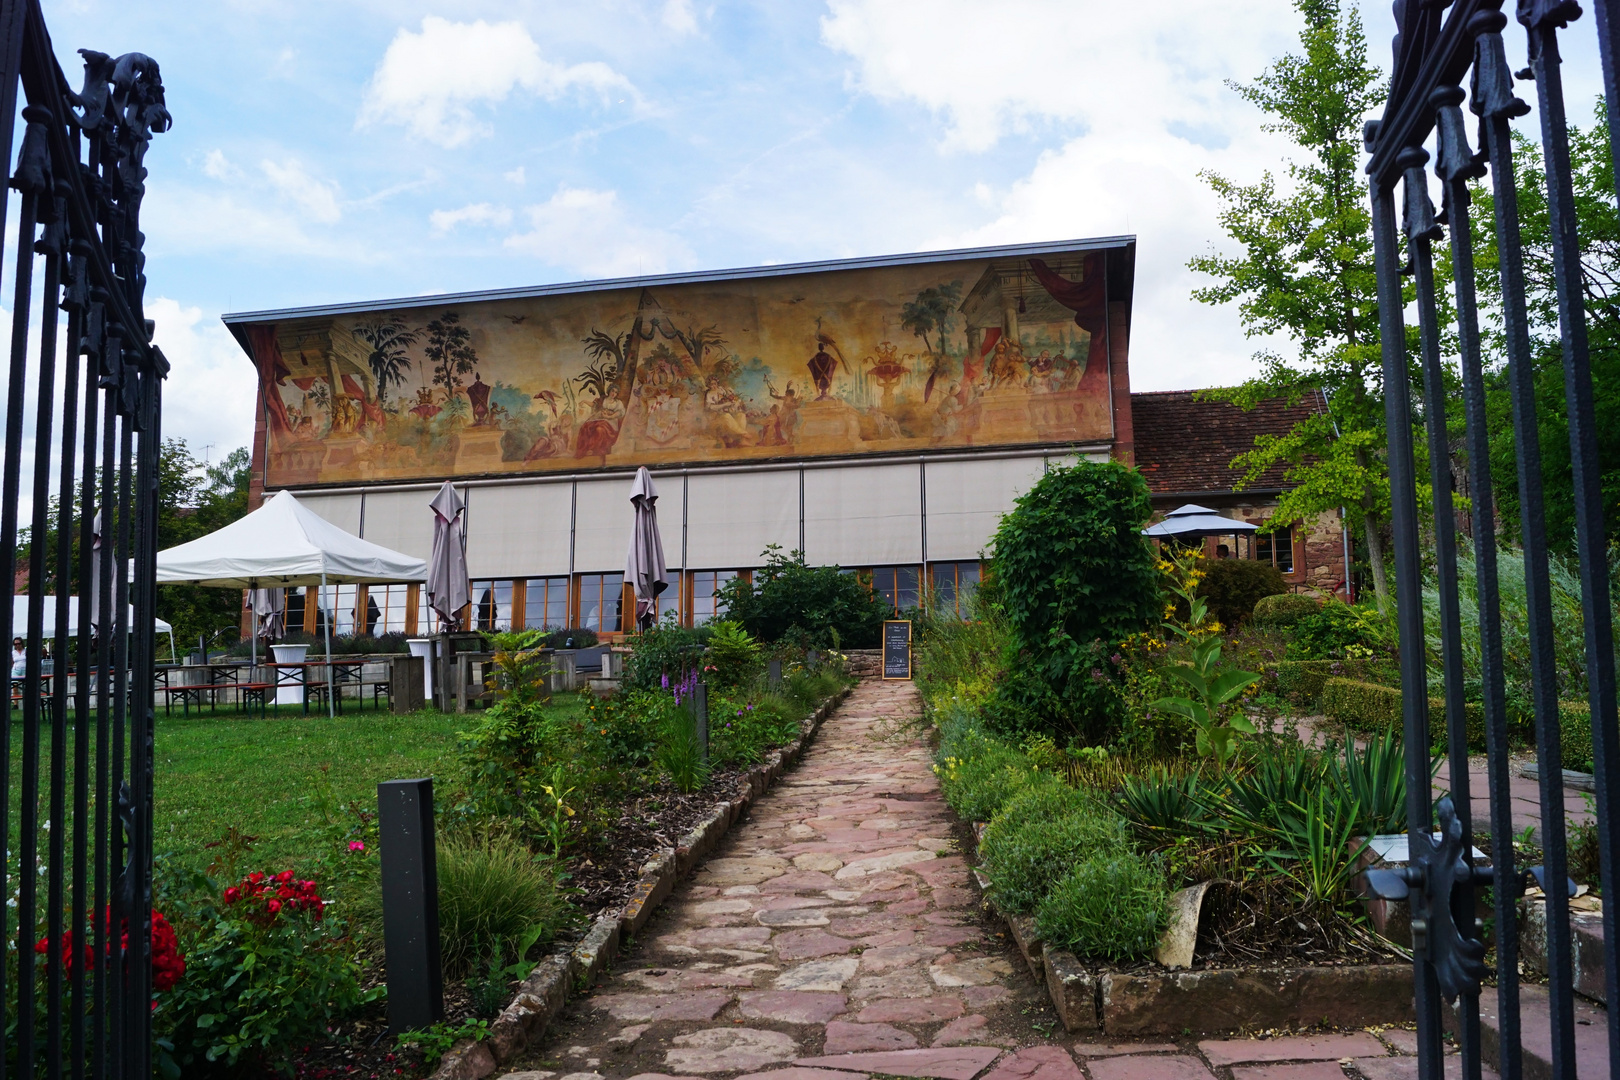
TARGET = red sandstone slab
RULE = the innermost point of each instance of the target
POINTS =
(791, 1006)
(844, 1037)
(1149, 1067)
(1103, 1050)
(928, 1010)
(1406, 1068)
(1036, 1063)
(794, 1072)
(650, 1007)
(1400, 1040)
(809, 944)
(1307, 1070)
(1291, 1048)
(952, 1063)
(960, 1032)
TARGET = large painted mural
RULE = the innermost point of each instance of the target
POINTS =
(995, 352)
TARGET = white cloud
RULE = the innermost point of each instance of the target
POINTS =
(428, 81)
(1138, 96)
(217, 167)
(316, 198)
(516, 176)
(473, 214)
(211, 386)
(679, 17)
(587, 231)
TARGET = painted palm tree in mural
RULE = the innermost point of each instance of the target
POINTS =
(697, 342)
(389, 338)
(930, 313)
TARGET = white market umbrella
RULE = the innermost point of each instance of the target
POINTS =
(448, 592)
(1192, 522)
(285, 544)
(268, 606)
(644, 566)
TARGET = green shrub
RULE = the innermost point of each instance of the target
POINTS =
(1302, 680)
(816, 605)
(575, 637)
(1283, 609)
(257, 983)
(1111, 906)
(1232, 587)
(1037, 835)
(1075, 578)
(492, 891)
(742, 733)
(1336, 631)
(1575, 734)
(978, 782)
(732, 656)
(1368, 707)
(667, 651)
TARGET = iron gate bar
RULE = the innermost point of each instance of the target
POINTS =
(80, 175)
(1431, 58)
(1421, 230)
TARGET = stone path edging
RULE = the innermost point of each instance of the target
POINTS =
(544, 993)
(1206, 1001)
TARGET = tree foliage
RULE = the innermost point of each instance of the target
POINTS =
(1304, 271)
(194, 499)
(1075, 577)
(1592, 171)
(817, 605)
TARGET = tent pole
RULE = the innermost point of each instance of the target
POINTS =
(331, 706)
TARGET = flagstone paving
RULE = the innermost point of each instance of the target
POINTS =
(837, 935)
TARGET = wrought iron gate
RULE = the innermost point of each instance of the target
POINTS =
(76, 750)
(1435, 52)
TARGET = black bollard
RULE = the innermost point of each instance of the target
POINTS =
(700, 717)
(410, 896)
(773, 675)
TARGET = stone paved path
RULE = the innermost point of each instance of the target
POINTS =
(836, 935)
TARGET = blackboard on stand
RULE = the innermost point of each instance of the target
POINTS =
(897, 649)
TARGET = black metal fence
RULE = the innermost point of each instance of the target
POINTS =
(82, 406)
(1437, 53)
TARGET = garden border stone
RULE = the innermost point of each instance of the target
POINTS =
(1209, 1001)
(543, 994)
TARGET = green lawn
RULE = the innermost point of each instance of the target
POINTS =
(268, 777)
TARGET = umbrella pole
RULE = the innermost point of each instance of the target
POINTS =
(331, 706)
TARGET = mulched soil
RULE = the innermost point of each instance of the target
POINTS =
(601, 877)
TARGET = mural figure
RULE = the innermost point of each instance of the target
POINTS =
(1009, 351)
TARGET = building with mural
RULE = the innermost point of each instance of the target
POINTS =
(877, 414)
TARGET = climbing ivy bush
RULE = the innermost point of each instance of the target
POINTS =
(1074, 578)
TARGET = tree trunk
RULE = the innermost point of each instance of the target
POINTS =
(1375, 556)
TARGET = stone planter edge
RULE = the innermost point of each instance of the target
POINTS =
(1206, 1001)
(547, 989)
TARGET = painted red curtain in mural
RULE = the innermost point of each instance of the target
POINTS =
(1088, 300)
(273, 372)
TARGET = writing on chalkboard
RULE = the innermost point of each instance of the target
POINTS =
(897, 649)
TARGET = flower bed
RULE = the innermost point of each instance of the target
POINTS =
(551, 815)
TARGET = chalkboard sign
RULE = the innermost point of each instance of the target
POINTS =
(897, 649)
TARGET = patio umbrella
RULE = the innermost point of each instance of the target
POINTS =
(1192, 522)
(447, 589)
(644, 566)
(269, 606)
(94, 584)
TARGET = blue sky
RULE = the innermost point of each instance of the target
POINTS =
(328, 152)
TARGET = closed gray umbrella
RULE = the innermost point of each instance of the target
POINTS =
(447, 588)
(644, 566)
(269, 606)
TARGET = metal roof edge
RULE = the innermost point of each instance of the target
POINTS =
(234, 319)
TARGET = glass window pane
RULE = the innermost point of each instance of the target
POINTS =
(545, 605)
(944, 583)
(907, 593)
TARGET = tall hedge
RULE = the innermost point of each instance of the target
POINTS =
(1075, 577)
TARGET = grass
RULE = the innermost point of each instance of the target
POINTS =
(268, 777)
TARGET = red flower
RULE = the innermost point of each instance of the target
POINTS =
(168, 965)
(232, 894)
(274, 906)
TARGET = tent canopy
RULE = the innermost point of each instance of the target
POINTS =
(1192, 521)
(19, 615)
(283, 543)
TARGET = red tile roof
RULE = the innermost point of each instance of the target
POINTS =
(1184, 445)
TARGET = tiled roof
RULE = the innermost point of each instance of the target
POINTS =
(1187, 445)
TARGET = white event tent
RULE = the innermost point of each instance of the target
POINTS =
(19, 616)
(284, 544)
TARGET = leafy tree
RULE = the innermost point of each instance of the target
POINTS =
(389, 339)
(450, 351)
(1599, 225)
(816, 605)
(1075, 578)
(1305, 271)
(195, 499)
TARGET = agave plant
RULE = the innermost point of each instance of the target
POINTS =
(1160, 799)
